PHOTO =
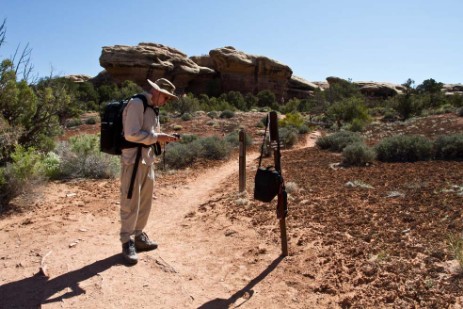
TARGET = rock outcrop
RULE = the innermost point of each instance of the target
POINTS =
(452, 89)
(224, 69)
(150, 61)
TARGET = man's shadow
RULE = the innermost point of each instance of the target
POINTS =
(247, 290)
(33, 291)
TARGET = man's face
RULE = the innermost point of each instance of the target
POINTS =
(159, 98)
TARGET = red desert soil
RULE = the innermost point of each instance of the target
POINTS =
(359, 237)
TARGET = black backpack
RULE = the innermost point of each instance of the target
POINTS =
(112, 139)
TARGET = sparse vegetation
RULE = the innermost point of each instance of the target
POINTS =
(338, 141)
(449, 147)
(404, 148)
(358, 154)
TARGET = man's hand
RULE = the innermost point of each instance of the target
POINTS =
(167, 138)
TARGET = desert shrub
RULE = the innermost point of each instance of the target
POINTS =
(304, 129)
(227, 114)
(357, 125)
(186, 117)
(404, 148)
(449, 147)
(212, 114)
(20, 175)
(52, 163)
(90, 120)
(188, 138)
(81, 157)
(358, 154)
(288, 136)
(233, 139)
(163, 117)
(294, 120)
(213, 148)
(180, 155)
(73, 122)
(177, 127)
(338, 141)
(347, 110)
(455, 244)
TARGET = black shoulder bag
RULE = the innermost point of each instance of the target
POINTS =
(268, 181)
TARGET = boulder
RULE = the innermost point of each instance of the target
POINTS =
(301, 88)
(452, 89)
(150, 61)
(78, 78)
(246, 73)
(380, 89)
(371, 89)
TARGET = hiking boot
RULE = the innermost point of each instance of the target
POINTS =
(143, 243)
(129, 253)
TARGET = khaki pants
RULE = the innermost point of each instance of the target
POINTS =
(135, 212)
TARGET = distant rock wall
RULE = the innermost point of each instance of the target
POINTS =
(222, 70)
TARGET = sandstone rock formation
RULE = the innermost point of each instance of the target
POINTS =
(224, 69)
(150, 61)
(452, 89)
(372, 89)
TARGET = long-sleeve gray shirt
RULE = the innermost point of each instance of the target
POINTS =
(140, 127)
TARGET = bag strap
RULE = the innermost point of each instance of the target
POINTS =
(263, 143)
(134, 173)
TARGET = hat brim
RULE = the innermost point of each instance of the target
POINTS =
(155, 86)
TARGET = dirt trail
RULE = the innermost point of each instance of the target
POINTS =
(204, 259)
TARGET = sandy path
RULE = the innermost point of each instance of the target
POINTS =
(204, 259)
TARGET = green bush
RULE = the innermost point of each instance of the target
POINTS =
(449, 147)
(19, 176)
(404, 148)
(180, 155)
(163, 118)
(288, 136)
(233, 139)
(186, 117)
(81, 157)
(213, 148)
(357, 125)
(338, 141)
(74, 122)
(455, 244)
(90, 120)
(227, 114)
(358, 154)
(347, 110)
(292, 119)
(212, 114)
(188, 138)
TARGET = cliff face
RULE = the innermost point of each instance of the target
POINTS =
(224, 69)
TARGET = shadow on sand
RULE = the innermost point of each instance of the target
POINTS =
(36, 290)
(247, 290)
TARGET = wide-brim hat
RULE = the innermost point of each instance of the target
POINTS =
(164, 86)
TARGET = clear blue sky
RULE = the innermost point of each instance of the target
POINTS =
(364, 40)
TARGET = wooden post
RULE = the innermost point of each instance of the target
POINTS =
(242, 161)
(282, 198)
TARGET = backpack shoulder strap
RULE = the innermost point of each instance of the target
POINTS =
(143, 99)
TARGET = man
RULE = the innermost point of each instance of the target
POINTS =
(141, 126)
